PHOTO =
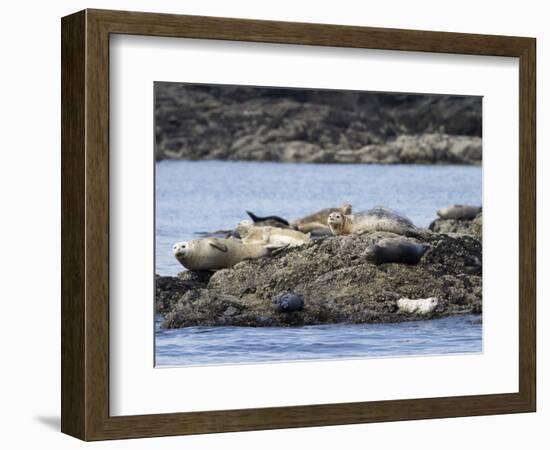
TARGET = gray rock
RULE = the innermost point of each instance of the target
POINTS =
(337, 282)
(168, 290)
(230, 311)
(472, 227)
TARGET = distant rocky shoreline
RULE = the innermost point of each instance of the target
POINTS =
(194, 122)
(406, 149)
(336, 283)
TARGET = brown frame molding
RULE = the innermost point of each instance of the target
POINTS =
(85, 224)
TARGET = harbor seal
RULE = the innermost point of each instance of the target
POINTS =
(375, 219)
(396, 250)
(288, 302)
(417, 306)
(251, 234)
(459, 212)
(319, 219)
(217, 253)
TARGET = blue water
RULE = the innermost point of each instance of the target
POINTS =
(230, 345)
(194, 196)
(203, 196)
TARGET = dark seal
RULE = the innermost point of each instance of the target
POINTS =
(288, 302)
(396, 250)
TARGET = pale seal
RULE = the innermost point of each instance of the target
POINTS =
(459, 212)
(319, 219)
(375, 219)
(251, 234)
(396, 250)
(216, 253)
(417, 306)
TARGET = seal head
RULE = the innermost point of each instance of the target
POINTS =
(180, 249)
(336, 222)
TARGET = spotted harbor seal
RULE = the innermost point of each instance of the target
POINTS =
(319, 219)
(459, 212)
(375, 219)
(216, 253)
(396, 250)
(417, 306)
(251, 234)
(288, 302)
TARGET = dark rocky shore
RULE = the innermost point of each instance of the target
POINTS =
(197, 122)
(336, 281)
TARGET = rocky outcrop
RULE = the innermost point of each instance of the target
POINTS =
(289, 125)
(168, 290)
(335, 281)
(473, 227)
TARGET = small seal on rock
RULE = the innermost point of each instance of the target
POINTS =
(417, 306)
(288, 302)
(396, 250)
(216, 253)
(375, 219)
(459, 212)
(319, 219)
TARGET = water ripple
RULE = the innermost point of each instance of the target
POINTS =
(234, 345)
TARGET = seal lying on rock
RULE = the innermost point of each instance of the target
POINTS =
(216, 253)
(459, 212)
(396, 250)
(319, 219)
(251, 234)
(375, 219)
(288, 302)
(417, 306)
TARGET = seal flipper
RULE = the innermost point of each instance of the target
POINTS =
(274, 250)
(256, 219)
(219, 246)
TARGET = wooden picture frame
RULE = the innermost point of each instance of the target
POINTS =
(85, 224)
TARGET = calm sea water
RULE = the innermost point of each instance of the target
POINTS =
(230, 345)
(206, 196)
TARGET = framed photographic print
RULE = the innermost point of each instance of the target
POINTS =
(271, 225)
